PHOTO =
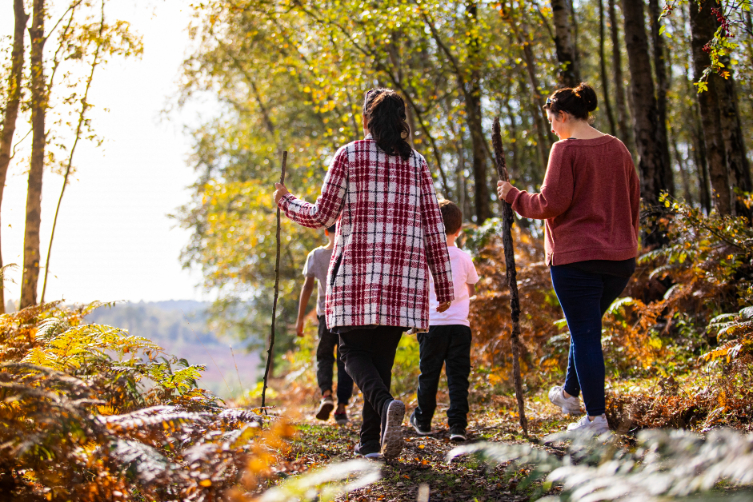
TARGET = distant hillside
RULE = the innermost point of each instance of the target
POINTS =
(180, 327)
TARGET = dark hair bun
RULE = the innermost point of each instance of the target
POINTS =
(588, 95)
(578, 102)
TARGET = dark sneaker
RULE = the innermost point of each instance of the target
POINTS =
(325, 408)
(422, 430)
(368, 450)
(457, 433)
(341, 417)
(392, 435)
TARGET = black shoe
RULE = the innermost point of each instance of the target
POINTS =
(422, 430)
(325, 408)
(341, 417)
(368, 450)
(392, 434)
(457, 433)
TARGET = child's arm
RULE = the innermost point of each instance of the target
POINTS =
(308, 288)
(471, 277)
(471, 290)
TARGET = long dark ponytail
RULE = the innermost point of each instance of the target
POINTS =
(386, 120)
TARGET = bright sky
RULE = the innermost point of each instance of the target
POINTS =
(114, 240)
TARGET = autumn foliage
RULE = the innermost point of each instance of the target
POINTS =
(89, 412)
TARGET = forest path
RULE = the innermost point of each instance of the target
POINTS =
(424, 461)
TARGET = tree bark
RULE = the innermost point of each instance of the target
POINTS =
(734, 142)
(38, 143)
(15, 81)
(623, 120)
(568, 74)
(643, 105)
(662, 84)
(683, 173)
(702, 27)
(542, 131)
(472, 95)
(699, 150)
(604, 75)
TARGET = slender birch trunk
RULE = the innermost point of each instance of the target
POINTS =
(10, 115)
(30, 276)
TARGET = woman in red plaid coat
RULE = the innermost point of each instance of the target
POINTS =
(389, 237)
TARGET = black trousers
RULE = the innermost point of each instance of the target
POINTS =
(450, 345)
(325, 359)
(369, 355)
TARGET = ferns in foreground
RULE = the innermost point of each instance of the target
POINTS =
(665, 465)
(90, 412)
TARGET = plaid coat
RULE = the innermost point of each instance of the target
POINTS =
(389, 235)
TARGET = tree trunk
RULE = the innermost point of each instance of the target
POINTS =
(604, 75)
(702, 27)
(568, 75)
(38, 143)
(15, 80)
(542, 131)
(683, 173)
(734, 143)
(699, 149)
(513, 133)
(472, 95)
(643, 105)
(480, 186)
(662, 84)
(623, 120)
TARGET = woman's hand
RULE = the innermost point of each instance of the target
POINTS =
(280, 192)
(502, 188)
(443, 306)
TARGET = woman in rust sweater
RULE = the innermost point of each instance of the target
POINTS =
(590, 200)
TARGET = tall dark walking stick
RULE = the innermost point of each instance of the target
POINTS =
(512, 281)
(277, 289)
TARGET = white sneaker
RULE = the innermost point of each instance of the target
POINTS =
(597, 426)
(570, 405)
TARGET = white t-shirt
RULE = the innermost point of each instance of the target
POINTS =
(463, 272)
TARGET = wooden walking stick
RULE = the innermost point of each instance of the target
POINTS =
(277, 289)
(512, 281)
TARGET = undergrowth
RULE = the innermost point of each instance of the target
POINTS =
(89, 412)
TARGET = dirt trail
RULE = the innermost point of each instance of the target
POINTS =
(423, 460)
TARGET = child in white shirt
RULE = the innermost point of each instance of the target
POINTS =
(448, 340)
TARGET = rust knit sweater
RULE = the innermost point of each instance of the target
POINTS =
(590, 200)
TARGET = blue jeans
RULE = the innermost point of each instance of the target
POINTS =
(584, 297)
(448, 346)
